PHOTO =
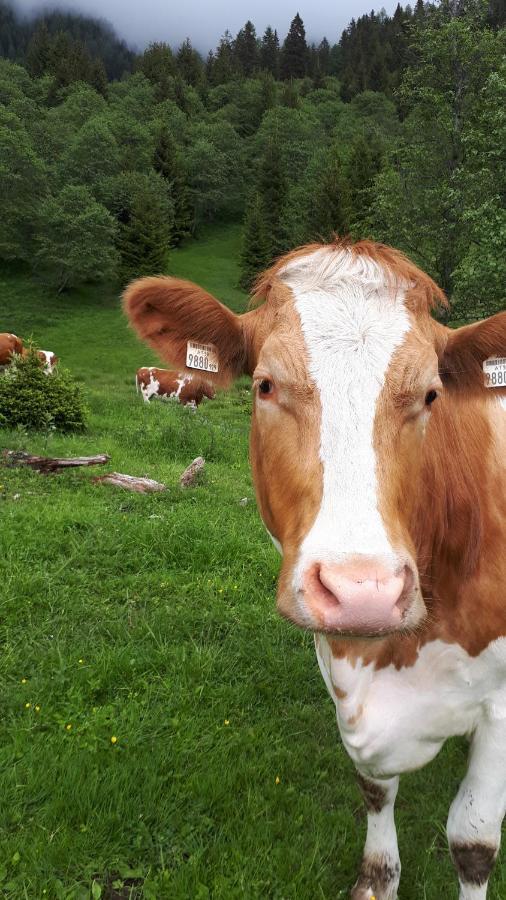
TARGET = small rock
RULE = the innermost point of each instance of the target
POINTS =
(244, 501)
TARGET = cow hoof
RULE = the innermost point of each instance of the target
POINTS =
(378, 880)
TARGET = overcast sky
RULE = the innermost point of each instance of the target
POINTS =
(142, 21)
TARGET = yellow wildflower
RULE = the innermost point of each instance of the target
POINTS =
(227, 722)
(278, 779)
(27, 705)
(37, 709)
(23, 681)
(114, 739)
(68, 727)
(80, 661)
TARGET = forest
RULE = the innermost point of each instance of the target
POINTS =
(394, 131)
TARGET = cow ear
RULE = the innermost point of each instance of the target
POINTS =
(467, 349)
(168, 313)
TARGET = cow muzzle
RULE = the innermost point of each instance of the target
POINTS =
(360, 597)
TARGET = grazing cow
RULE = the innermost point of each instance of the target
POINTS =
(189, 390)
(378, 453)
(9, 344)
(48, 360)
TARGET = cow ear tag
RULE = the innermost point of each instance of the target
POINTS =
(202, 356)
(494, 369)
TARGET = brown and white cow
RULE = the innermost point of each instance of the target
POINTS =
(379, 459)
(9, 344)
(48, 360)
(187, 389)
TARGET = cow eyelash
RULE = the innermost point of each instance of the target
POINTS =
(430, 396)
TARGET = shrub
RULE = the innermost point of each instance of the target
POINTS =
(32, 399)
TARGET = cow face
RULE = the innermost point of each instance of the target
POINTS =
(345, 366)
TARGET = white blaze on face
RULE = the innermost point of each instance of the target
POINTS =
(352, 322)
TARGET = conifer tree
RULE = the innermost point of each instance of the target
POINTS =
(294, 54)
(224, 66)
(166, 162)
(189, 63)
(269, 52)
(363, 165)
(272, 188)
(38, 51)
(157, 63)
(143, 240)
(328, 210)
(246, 50)
(255, 255)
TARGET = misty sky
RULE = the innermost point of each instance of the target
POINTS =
(141, 21)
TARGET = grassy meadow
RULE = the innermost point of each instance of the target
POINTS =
(163, 734)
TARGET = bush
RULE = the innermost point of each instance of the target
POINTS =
(32, 399)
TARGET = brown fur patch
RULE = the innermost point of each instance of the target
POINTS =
(474, 862)
(9, 344)
(423, 295)
(377, 874)
(168, 312)
(465, 351)
(374, 795)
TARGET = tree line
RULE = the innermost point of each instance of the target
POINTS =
(101, 175)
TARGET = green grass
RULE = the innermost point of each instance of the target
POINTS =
(151, 618)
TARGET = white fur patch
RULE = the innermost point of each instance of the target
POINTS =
(353, 318)
(396, 720)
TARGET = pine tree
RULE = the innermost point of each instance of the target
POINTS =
(157, 63)
(269, 52)
(224, 66)
(167, 163)
(294, 54)
(143, 241)
(329, 205)
(324, 61)
(246, 50)
(272, 188)
(255, 255)
(363, 165)
(38, 51)
(189, 63)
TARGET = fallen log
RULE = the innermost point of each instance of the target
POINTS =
(48, 464)
(192, 473)
(129, 482)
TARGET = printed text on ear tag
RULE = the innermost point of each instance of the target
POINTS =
(202, 356)
(494, 369)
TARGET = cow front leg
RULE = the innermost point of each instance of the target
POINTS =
(476, 814)
(381, 867)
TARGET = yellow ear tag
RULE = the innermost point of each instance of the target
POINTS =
(202, 356)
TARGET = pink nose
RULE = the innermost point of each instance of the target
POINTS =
(360, 597)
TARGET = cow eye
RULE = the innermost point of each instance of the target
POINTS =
(265, 387)
(430, 396)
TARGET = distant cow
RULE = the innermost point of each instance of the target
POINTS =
(48, 360)
(9, 344)
(189, 390)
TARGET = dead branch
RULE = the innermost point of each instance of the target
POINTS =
(192, 473)
(129, 482)
(48, 464)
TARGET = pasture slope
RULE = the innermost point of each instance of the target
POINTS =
(151, 619)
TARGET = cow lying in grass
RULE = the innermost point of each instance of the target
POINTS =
(184, 388)
(378, 448)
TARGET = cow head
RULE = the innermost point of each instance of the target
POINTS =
(347, 367)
